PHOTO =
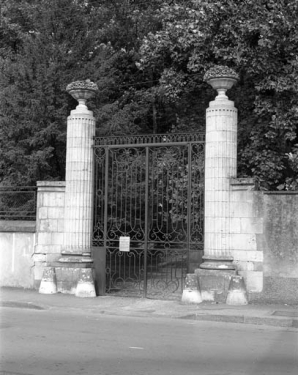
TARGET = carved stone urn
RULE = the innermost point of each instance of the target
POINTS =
(82, 91)
(221, 78)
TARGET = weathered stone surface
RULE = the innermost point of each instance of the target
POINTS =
(191, 281)
(248, 255)
(281, 232)
(16, 265)
(49, 225)
(85, 287)
(214, 284)
(190, 296)
(191, 292)
(48, 283)
(50, 212)
(253, 280)
(39, 257)
(67, 279)
(237, 292)
(19, 226)
(277, 290)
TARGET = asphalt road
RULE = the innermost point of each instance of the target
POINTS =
(47, 342)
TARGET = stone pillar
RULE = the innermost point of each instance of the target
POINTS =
(79, 180)
(78, 213)
(220, 166)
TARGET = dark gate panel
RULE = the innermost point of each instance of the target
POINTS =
(153, 194)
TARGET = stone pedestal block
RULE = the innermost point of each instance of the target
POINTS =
(237, 292)
(85, 287)
(191, 291)
(214, 284)
(48, 283)
(68, 276)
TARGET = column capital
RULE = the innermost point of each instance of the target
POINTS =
(222, 104)
(80, 112)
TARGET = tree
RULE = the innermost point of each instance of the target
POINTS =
(259, 40)
(52, 45)
(148, 59)
(46, 45)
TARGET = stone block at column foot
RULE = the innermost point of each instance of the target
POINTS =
(208, 295)
(85, 286)
(48, 283)
(191, 296)
(236, 297)
(237, 292)
(85, 290)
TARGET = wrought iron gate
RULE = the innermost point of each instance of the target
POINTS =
(149, 189)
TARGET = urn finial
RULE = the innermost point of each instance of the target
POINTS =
(82, 91)
(221, 78)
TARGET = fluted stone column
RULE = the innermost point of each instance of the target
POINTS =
(79, 173)
(79, 182)
(78, 209)
(220, 166)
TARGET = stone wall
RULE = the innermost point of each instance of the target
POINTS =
(246, 225)
(17, 241)
(279, 244)
(27, 247)
(49, 225)
(263, 238)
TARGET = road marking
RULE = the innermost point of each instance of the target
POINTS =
(136, 347)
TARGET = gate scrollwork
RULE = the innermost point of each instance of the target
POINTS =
(152, 192)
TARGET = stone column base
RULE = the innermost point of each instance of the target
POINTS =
(214, 284)
(237, 294)
(191, 291)
(77, 258)
(85, 286)
(68, 277)
(48, 283)
(217, 263)
(68, 271)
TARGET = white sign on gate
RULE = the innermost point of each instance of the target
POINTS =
(124, 243)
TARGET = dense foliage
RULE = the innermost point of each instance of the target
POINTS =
(148, 59)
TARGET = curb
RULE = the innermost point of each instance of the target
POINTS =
(21, 305)
(256, 320)
(273, 321)
(278, 315)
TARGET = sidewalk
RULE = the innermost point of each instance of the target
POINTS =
(271, 315)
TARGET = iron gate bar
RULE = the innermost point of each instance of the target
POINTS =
(189, 199)
(131, 145)
(106, 197)
(18, 202)
(149, 138)
(146, 221)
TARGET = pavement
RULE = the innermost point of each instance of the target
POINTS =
(257, 314)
